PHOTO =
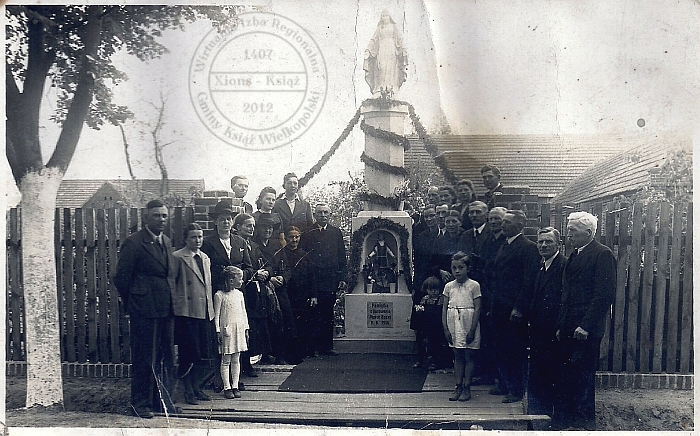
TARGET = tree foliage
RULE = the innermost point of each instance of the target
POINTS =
(70, 48)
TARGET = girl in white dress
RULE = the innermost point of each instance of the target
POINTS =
(231, 321)
(460, 320)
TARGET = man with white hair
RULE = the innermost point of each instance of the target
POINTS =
(588, 290)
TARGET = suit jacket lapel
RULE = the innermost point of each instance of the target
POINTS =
(192, 264)
(152, 247)
(219, 247)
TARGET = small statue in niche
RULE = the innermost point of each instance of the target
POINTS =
(385, 58)
(382, 263)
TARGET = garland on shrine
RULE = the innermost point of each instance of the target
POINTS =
(327, 156)
(390, 202)
(384, 102)
(358, 239)
(385, 135)
(383, 166)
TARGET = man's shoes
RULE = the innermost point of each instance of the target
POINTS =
(466, 394)
(456, 394)
(202, 396)
(191, 399)
(228, 394)
(252, 372)
(236, 393)
(511, 399)
(329, 353)
(496, 391)
(241, 386)
(142, 412)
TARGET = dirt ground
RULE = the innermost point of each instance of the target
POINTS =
(104, 402)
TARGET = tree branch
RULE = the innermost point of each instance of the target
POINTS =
(80, 106)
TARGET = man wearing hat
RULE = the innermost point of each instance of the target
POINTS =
(326, 250)
(145, 280)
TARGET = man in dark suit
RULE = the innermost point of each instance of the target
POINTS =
(543, 314)
(474, 243)
(145, 279)
(239, 186)
(486, 370)
(491, 176)
(326, 250)
(516, 266)
(588, 292)
(293, 210)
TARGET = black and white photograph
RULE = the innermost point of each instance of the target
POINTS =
(384, 215)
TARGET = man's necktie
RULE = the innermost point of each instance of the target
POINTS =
(200, 264)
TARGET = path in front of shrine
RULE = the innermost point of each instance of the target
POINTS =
(430, 409)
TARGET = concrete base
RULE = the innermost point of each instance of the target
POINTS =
(378, 317)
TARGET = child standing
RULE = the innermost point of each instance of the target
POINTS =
(460, 320)
(428, 322)
(231, 323)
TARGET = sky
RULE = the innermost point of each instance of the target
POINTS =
(488, 66)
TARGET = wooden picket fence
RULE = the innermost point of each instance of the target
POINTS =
(650, 328)
(86, 241)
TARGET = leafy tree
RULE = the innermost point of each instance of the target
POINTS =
(68, 48)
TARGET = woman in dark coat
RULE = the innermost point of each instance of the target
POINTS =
(298, 283)
(280, 319)
(254, 291)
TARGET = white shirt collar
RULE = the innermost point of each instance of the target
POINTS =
(480, 229)
(548, 262)
(512, 238)
(580, 249)
(158, 238)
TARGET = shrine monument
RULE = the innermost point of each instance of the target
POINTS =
(378, 308)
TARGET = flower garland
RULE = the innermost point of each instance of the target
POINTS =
(383, 166)
(390, 202)
(385, 135)
(358, 239)
(326, 157)
(384, 102)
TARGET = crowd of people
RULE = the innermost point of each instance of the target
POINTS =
(517, 313)
(265, 283)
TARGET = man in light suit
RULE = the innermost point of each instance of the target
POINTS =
(193, 306)
(543, 314)
(145, 281)
(588, 291)
(293, 210)
(326, 250)
(516, 266)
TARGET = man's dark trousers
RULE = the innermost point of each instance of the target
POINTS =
(511, 338)
(153, 362)
(323, 334)
(576, 405)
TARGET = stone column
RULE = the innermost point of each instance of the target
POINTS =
(391, 119)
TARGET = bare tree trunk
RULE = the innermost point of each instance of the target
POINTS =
(158, 145)
(43, 335)
(126, 152)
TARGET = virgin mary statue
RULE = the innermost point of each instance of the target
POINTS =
(385, 58)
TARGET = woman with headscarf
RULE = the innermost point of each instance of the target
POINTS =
(298, 283)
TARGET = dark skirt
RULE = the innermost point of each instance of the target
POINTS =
(259, 337)
(196, 341)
